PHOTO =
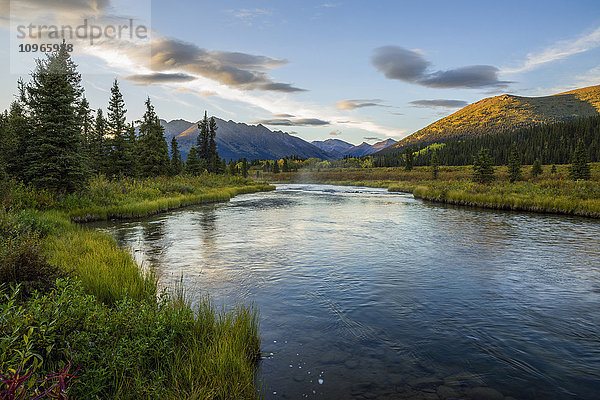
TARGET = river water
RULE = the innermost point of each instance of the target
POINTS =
(367, 294)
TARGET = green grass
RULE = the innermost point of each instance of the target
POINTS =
(547, 193)
(103, 313)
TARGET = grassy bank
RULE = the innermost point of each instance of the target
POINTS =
(69, 296)
(547, 193)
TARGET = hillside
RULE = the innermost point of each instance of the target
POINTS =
(238, 140)
(507, 113)
(338, 148)
(335, 147)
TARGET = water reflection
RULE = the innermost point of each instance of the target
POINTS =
(365, 294)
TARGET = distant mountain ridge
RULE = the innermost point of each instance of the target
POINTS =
(506, 113)
(338, 148)
(238, 140)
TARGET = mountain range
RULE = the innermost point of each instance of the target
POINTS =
(238, 140)
(507, 113)
(338, 148)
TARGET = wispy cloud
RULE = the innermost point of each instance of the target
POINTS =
(337, 132)
(354, 104)
(439, 103)
(248, 15)
(558, 51)
(371, 138)
(411, 66)
(293, 122)
(158, 77)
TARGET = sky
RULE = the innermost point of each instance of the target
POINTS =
(350, 70)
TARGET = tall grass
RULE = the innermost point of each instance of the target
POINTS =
(130, 342)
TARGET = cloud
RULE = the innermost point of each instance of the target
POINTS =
(330, 5)
(558, 51)
(335, 133)
(439, 103)
(295, 122)
(241, 70)
(248, 15)
(369, 139)
(411, 66)
(283, 115)
(354, 104)
(159, 77)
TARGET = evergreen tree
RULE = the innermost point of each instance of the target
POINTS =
(553, 169)
(580, 169)
(176, 161)
(203, 139)
(87, 129)
(536, 168)
(408, 159)
(232, 168)
(53, 158)
(244, 167)
(153, 149)
(120, 151)
(131, 151)
(276, 167)
(435, 164)
(285, 167)
(483, 170)
(17, 134)
(213, 155)
(99, 146)
(224, 165)
(514, 165)
(192, 163)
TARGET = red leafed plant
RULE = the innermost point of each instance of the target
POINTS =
(14, 386)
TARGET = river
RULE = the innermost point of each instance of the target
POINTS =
(367, 294)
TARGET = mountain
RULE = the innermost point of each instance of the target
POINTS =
(507, 113)
(365, 149)
(238, 140)
(335, 147)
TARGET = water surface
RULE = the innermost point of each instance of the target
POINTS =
(367, 294)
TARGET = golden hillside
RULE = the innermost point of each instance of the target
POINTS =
(507, 113)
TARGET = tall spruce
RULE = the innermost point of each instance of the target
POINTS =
(176, 160)
(153, 149)
(131, 151)
(213, 160)
(121, 150)
(99, 147)
(580, 169)
(203, 140)
(514, 165)
(435, 165)
(53, 158)
(244, 167)
(483, 169)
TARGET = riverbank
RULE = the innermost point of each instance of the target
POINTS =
(84, 302)
(547, 193)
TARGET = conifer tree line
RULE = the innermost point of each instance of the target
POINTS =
(551, 144)
(52, 139)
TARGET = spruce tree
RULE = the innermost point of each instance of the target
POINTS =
(17, 134)
(244, 167)
(192, 163)
(53, 158)
(153, 149)
(276, 167)
(580, 169)
(176, 161)
(213, 155)
(121, 157)
(514, 165)
(483, 170)
(232, 168)
(224, 166)
(131, 151)
(203, 140)
(86, 121)
(408, 159)
(435, 164)
(99, 146)
(536, 168)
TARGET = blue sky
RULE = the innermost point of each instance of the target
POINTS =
(353, 70)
